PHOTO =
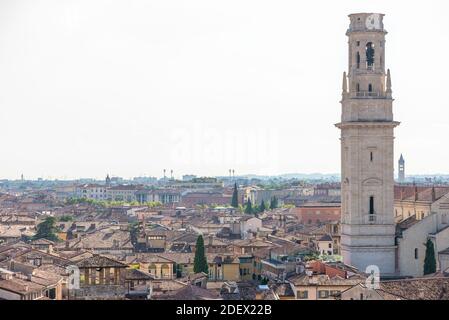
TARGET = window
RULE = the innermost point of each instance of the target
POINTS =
(370, 87)
(303, 294)
(369, 55)
(330, 246)
(358, 43)
(323, 294)
(361, 296)
(371, 156)
(358, 60)
(371, 205)
(335, 293)
(416, 253)
(357, 87)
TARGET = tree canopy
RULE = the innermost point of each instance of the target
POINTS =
(47, 230)
(430, 265)
(200, 260)
(235, 197)
(249, 207)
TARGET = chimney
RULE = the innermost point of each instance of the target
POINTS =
(421, 293)
(416, 193)
(211, 239)
(433, 194)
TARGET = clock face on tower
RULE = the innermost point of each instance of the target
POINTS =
(373, 22)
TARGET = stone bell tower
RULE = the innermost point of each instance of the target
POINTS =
(367, 165)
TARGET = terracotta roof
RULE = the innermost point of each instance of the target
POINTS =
(424, 193)
(284, 290)
(326, 237)
(135, 274)
(190, 292)
(20, 286)
(322, 280)
(418, 288)
(100, 262)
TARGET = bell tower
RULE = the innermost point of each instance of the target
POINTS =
(401, 169)
(367, 142)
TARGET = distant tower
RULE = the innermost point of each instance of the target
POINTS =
(401, 170)
(367, 164)
(108, 180)
(171, 174)
(21, 177)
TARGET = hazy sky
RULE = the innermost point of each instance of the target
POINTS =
(90, 87)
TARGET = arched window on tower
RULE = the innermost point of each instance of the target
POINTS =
(370, 55)
(358, 60)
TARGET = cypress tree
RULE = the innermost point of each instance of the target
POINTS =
(273, 203)
(430, 265)
(262, 206)
(235, 197)
(200, 261)
(249, 207)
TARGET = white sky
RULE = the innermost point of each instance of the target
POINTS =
(90, 87)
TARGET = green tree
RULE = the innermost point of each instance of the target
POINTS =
(200, 261)
(430, 265)
(66, 218)
(47, 230)
(262, 207)
(249, 207)
(235, 197)
(273, 203)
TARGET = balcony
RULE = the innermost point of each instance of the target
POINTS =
(370, 94)
(371, 219)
